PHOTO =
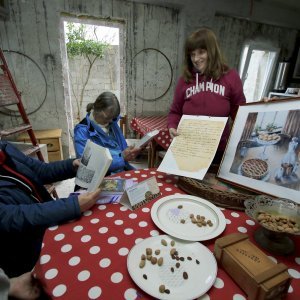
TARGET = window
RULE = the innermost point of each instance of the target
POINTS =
(256, 69)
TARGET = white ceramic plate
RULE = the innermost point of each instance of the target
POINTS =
(167, 216)
(201, 273)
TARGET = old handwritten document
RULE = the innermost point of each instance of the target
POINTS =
(191, 153)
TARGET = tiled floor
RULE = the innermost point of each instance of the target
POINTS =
(64, 188)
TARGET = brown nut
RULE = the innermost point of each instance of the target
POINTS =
(162, 288)
(157, 252)
(172, 251)
(164, 242)
(153, 260)
(160, 261)
(142, 264)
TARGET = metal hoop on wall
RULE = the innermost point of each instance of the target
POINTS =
(171, 73)
(10, 112)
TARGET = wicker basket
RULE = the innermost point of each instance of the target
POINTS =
(215, 191)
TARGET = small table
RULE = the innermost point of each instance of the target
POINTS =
(87, 258)
(142, 125)
(50, 137)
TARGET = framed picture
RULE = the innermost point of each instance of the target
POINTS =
(296, 73)
(263, 150)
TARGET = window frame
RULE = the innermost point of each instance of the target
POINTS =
(245, 60)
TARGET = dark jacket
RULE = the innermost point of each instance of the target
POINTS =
(114, 142)
(23, 220)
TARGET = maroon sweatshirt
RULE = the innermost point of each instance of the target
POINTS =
(219, 98)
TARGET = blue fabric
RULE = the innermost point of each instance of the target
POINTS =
(23, 220)
(114, 142)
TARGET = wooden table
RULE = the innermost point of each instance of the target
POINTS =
(50, 137)
(142, 125)
(87, 258)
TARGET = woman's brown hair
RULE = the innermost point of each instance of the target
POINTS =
(204, 38)
(106, 100)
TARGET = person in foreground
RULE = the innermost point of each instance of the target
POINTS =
(207, 86)
(27, 209)
(21, 287)
(101, 126)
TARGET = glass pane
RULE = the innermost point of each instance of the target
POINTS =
(243, 59)
(258, 74)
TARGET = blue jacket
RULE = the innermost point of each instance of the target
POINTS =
(114, 142)
(23, 220)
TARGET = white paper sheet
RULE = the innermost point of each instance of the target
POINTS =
(191, 153)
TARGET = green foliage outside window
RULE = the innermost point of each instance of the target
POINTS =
(79, 45)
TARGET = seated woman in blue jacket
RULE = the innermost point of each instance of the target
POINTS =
(27, 209)
(101, 126)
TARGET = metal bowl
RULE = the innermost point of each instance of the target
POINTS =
(278, 218)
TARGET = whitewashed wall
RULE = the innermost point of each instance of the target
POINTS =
(33, 29)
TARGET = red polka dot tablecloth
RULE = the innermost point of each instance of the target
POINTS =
(87, 258)
(142, 125)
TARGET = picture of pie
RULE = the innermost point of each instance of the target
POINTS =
(254, 168)
(269, 137)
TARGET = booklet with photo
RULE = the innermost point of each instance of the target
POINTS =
(140, 193)
(113, 186)
(192, 151)
(94, 164)
(109, 198)
(146, 138)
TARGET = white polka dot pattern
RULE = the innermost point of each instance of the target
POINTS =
(116, 277)
(66, 248)
(83, 275)
(52, 273)
(104, 263)
(94, 292)
(74, 261)
(91, 253)
(59, 290)
(44, 259)
(219, 283)
(94, 250)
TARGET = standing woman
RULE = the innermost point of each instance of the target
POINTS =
(207, 86)
(101, 126)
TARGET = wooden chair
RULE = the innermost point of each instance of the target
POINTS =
(123, 123)
(159, 155)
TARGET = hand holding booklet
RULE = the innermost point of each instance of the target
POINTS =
(146, 138)
(93, 167)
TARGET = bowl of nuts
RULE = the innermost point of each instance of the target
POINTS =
(279, 218)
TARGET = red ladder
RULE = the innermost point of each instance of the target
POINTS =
(9, 95)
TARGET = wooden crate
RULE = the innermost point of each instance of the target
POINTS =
(251, 269)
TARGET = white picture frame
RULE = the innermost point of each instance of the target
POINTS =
(264, 137)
